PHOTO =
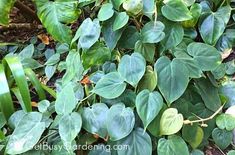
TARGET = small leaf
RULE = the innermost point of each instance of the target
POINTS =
(110, 86)
(148, 105)
(105, 12)
(222, 138)
(27, 52)
(133, 7)
(120, 121)
(53, 59)
(120, 21)
(132, 68)
(225, 121)
(171, 122)
(173, 145)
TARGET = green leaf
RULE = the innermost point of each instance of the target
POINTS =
(94, 118)
(133, 7)
(88, 33)
(105, 12)
(2, 120)
(225, 121)
(65, 100)
(197, 152)
(228, 89)
(147, 50)
(43, 106)
(110, 86)
(6, 104)
(148, 8)
(152, 32)
(117, 3)
(193, 134)
(209, 94)
(53, 13)
(176, 10)
(231, 152)
(213, 24)
(69, 127)
(120, 121)
(173, 78)
(129, 38)
(195, 10)
(50, 71)
(53, 59)
(205, 55)
(222, 138)
(174, 34)
(171, 122)
(15, 67)
(174, 145)
(135, 142)
(96, 55)
(132, 68)
(111, 37)
(26, 134)
(5, 7)
(27, 52)
(149, 80)
(148, 105)
(120, 21)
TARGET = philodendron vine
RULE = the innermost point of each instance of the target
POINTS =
(151, 75)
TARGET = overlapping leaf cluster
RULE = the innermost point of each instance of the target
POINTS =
(154, 69)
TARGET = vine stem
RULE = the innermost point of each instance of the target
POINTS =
(52, 133)
(84, 100)
(204, 119)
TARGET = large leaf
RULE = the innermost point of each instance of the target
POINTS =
(88, 33)
(54, 13)
(135, 142)
(228, 89)
(94, 119)
(132, 68)
(26, 134)
(120, 121)
(173, 78)
(205, 55)
(110, 86)
(213, 24)
(69, 127)
(65, 100)
(171, 122)
(5, 7)
(176, 10)
(174, 145)
(152, 32)
(222, 138)
(148, 105)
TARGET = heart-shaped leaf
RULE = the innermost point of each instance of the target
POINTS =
(222, 138)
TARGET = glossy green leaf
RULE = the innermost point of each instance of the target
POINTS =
(17, 71)
(225, 121)
(53, 59)
(26, 134)
(120, 121)
(54, 13)
(228, 89)
(173, 78)
(205, 55)
(174, 34)
(43, 106)
(105, 12)
(152, 32)
(148, 105)
(88, 33)
(5, 7)
(65, 100)
(96, 55)
(171, 122)
(69, 127)
(120, 21)
(222, 138)
(94, 119)
(27, 52)
(176, 10)
(132, 68)
(6, 103)
(135, 142)
(148, 8)
(195, 10)
(174, 145)
(231, 152)
(110, 86)
(213, 24)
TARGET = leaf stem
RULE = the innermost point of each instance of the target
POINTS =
(202, 120)
(88, 96)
